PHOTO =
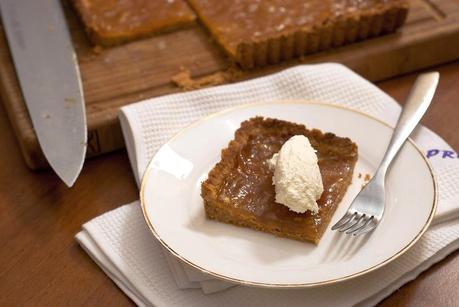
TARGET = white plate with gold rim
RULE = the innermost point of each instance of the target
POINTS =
(173, 207)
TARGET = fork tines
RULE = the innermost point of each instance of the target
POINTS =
(355, 223)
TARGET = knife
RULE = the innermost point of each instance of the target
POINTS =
(48, 73)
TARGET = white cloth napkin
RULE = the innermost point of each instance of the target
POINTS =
(121, 244)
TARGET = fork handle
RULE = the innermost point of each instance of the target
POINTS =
(415, 107)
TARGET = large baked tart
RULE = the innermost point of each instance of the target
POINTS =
(239, 189)
(256, 33)
(111, 22)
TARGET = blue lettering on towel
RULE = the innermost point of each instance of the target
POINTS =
(443, 154)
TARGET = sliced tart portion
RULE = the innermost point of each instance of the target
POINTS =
(239, 188)
(256, 33)
(114, 22)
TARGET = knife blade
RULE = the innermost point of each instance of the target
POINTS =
(48, 73)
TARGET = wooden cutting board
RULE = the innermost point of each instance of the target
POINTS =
(122, 75)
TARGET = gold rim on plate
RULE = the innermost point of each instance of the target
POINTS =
(283, 285)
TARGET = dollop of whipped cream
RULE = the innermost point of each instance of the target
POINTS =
(297, 178)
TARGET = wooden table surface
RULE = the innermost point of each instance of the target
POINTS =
(42, 265)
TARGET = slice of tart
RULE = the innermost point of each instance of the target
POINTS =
(109, 22)
(256, 33)
(239, 188)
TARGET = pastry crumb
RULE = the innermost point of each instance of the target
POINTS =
(366, 179)
(97, 49)
(186, 82)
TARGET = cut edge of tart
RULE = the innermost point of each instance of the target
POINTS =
(263, 214)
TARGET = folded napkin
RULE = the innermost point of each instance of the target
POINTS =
(121, 244)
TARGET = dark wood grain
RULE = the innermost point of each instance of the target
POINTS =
(42, 265)
(117, 76)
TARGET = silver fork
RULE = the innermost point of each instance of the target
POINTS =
(367, 209)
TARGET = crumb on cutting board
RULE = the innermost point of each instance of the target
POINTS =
(186, 82)
(97, 49)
